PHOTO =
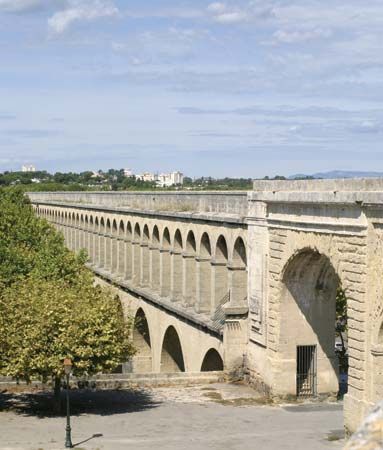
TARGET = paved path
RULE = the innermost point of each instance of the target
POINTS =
(224, 417)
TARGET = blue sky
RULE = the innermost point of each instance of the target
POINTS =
(232, 88)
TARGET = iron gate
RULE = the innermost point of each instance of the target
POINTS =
(306, 370)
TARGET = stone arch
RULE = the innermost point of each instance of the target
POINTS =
(205, 289)
(86, 234)
(177, 267)
(212, 361)
(76, 232)
(102, 229)
(145, 257)
(165, 264)
(91, 239)
(136, 249)
(113, 254)
(238, 269)
(307, 318)
(121, 249)
(172, 359)
(128, 251)
(142, 361)
(155, 260)
(221, 275)
(190, 263)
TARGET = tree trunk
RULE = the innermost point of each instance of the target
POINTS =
(57, 395)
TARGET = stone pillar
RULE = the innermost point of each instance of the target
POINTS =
(258, 245)
(114, 255)
(176, 275)
(189, 281)
(155, 270)
(204, 285)
(238, 284)
(107, 252)
(145, 264)
(165, 272)
(120, 256)
(220, 285)
(128, 251)
(101, 250)
(136, 268)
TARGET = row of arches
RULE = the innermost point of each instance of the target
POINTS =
(198, 270)
(172, 356)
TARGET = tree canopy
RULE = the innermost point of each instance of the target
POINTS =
(50, 308)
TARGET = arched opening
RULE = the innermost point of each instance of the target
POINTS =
(129, 252)
(101, 261)
(221, 275)
(78, 231)
(142, 361)
(114, 248)
(212, 361)
(85, 238)
(165, 264)
(204, 267)
(172, 359)
(136, 248)
(91, 239)
(121, 249)
(177, 267)
(145, 257)
(108, 245)
(155, 261)
(238, 267)
(190, 293)
(307, 326)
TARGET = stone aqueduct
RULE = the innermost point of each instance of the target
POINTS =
(243, 282)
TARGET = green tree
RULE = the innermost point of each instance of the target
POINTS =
(50, 308)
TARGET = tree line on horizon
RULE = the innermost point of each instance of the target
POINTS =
(115, 180)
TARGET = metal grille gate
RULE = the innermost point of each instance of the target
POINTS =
(306, 370)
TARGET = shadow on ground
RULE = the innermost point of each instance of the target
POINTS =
(104, 403)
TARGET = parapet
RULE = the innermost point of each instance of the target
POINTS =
(339, 185)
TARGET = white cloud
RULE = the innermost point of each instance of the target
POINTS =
(20, 6)
(298, 36)
(216, 7)
(232, 17)
(81, 10)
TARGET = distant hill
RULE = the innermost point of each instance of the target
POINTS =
(340, 174)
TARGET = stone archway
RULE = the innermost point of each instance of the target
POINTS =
(172, 359)
(142, 361)
(212, 361)
(307, 326)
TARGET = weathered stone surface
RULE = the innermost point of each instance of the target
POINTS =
(370, 434)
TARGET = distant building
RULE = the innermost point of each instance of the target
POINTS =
(28, 168)
(128, 173)
(170, 179)
(147, 176)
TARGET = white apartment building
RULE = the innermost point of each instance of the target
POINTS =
(28, 168)
(170, 179)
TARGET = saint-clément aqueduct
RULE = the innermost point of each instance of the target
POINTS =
(243, 282)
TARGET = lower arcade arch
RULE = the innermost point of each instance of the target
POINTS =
(212, 361)
(142, 361)
(172, 359)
